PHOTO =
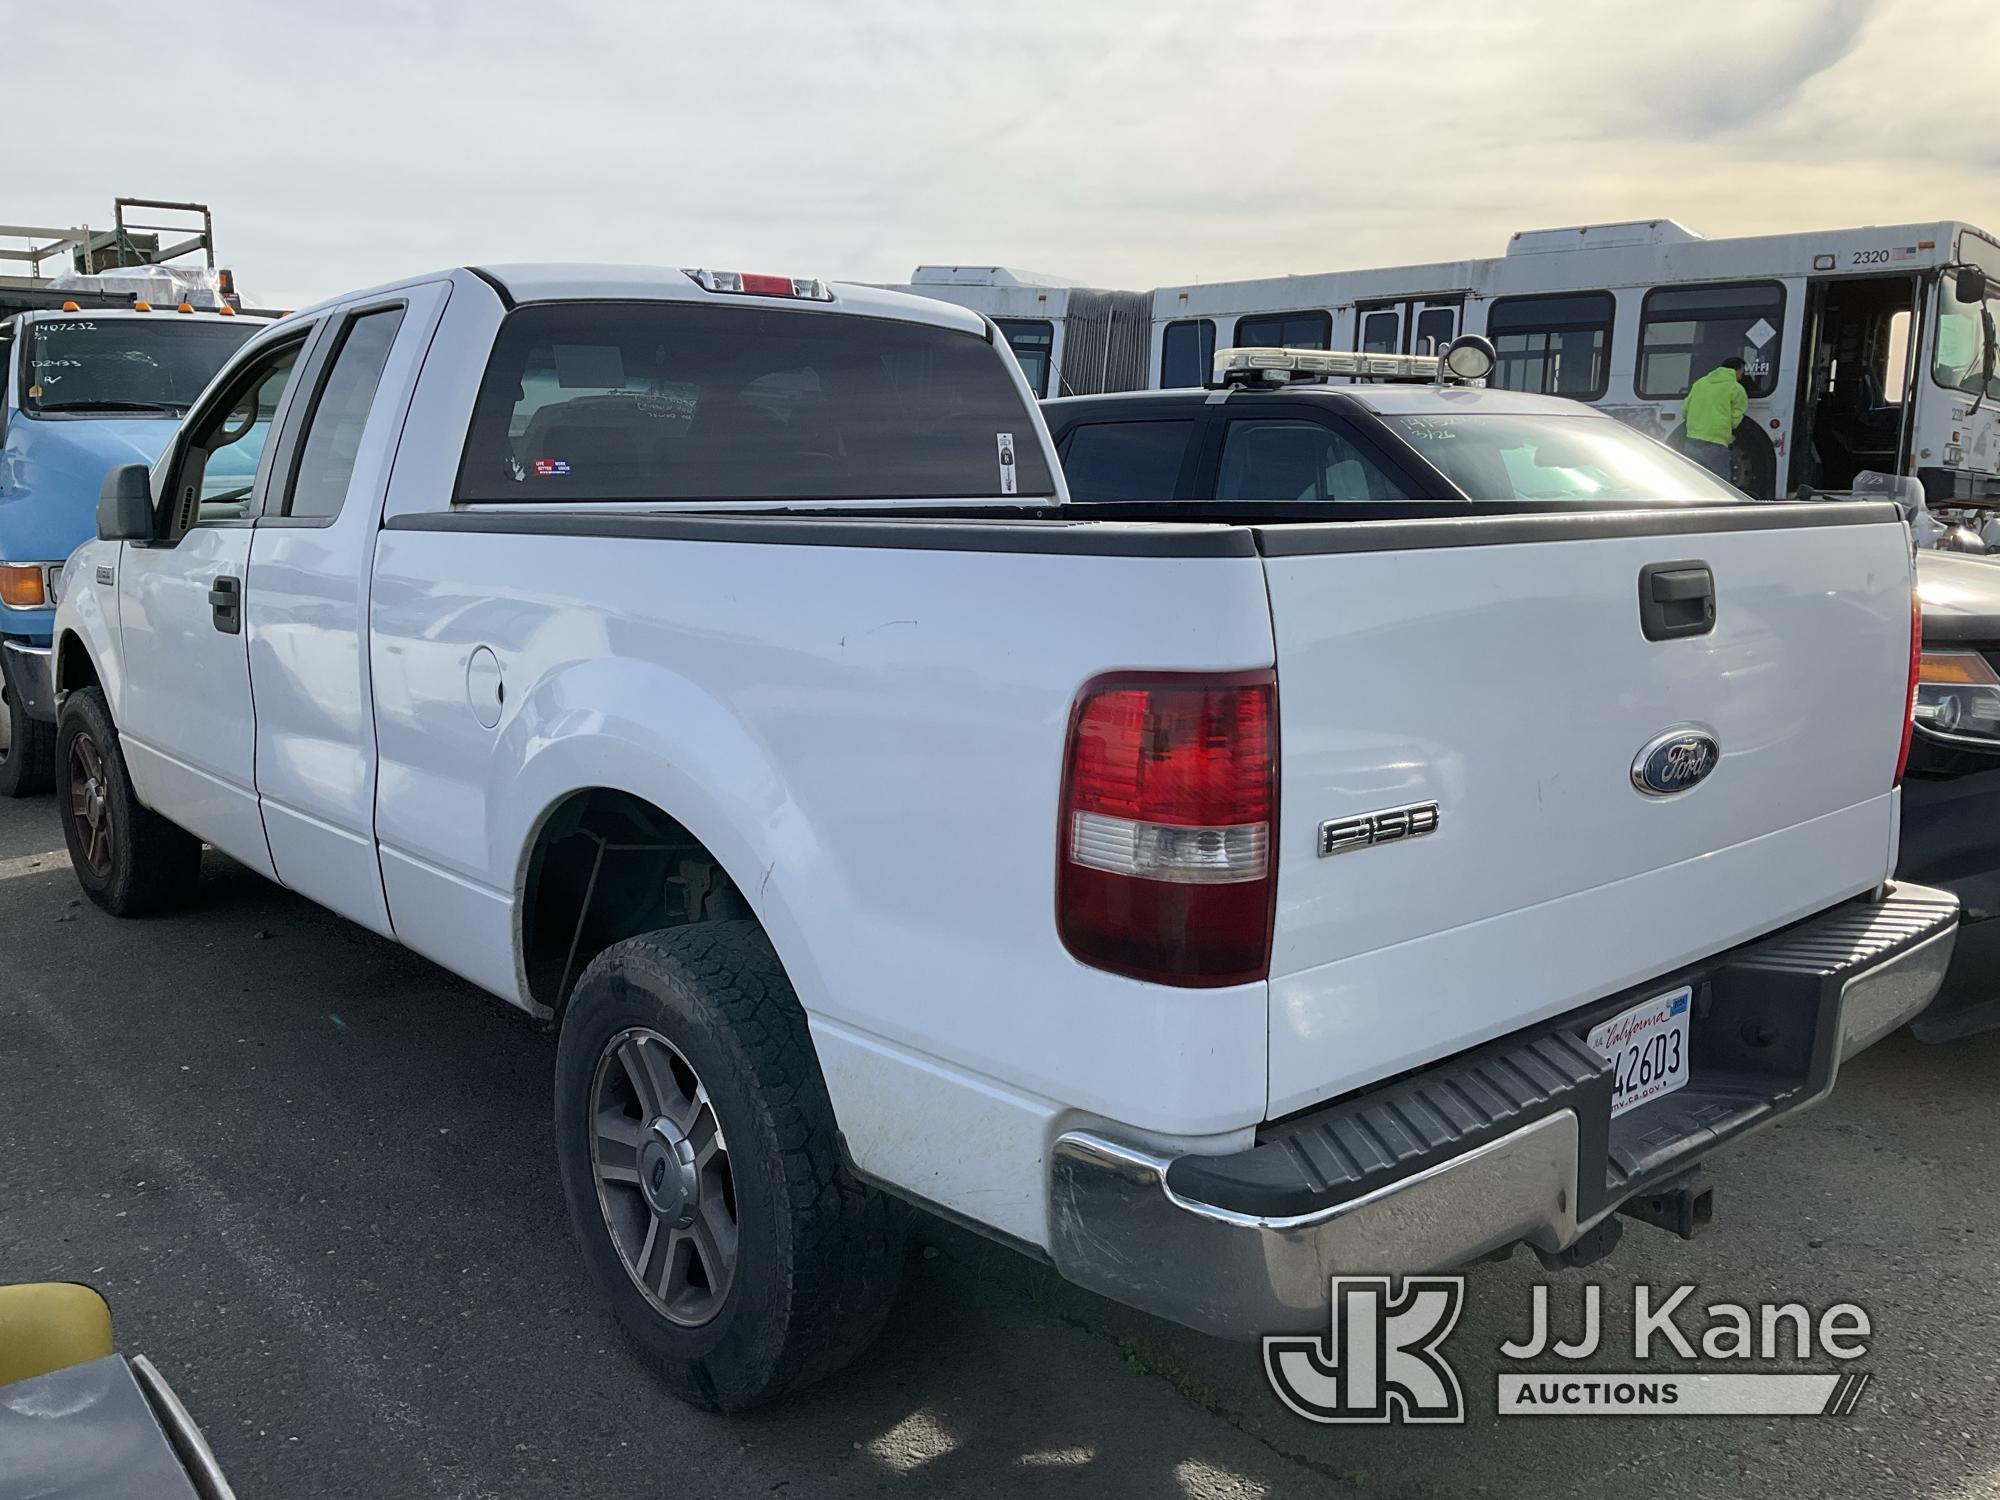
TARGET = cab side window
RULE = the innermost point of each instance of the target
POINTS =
(1273, 460)
(216, 474)
(1126, 460)
(340, 415)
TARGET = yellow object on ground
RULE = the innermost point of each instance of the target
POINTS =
(48, 1325)
(1715, 404)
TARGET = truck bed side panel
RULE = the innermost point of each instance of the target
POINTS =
(869, 739)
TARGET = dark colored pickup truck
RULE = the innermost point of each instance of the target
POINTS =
(1321, 445)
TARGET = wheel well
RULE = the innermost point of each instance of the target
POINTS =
(605, 866)
(74, 668)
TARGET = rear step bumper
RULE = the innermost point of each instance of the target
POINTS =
(1512, 1143)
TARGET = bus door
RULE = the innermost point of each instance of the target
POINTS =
(1433, 323)
(1407, 325)
(1378, 327)
(1857, 365)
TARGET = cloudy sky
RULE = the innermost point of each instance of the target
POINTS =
(1122, 142)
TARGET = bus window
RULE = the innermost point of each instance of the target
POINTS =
(1032, 340)
(1292, 330)
(1378, 332)
(1684, 332)
(1896, 358)
(1554, 346)
(1187, 353)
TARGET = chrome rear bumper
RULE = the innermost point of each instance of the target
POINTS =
(1123, 1232)
(1506, 1146)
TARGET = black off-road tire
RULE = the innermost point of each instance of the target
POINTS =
(819, 1255)
(27, 764)
(152, 865)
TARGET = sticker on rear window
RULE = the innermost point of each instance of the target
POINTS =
(547, 466)
(1007, 481)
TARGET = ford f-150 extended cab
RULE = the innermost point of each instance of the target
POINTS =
(1209, 901)
(81, 391)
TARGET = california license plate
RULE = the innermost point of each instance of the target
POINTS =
(1647, 1047)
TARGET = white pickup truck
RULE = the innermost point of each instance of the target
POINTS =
(1209, 901)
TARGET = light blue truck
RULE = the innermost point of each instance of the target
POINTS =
(85, 389)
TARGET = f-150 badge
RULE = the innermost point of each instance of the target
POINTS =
(1340, 835)
(1674, 761)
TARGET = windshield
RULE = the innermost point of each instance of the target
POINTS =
(1586, 459)
(1958, 361)
(132, 366)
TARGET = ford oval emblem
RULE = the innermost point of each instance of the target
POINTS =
(1674, 761)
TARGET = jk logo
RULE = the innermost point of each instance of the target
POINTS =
(1380, 1362)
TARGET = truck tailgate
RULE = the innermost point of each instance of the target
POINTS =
(1499, 669)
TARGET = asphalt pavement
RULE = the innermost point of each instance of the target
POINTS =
(314, 1175)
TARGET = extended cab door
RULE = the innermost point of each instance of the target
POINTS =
(186, 721)
(307, 601)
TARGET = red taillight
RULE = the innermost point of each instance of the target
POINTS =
(1168, 860)
(1910, 697)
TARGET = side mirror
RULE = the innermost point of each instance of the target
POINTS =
(1971, 284)
(125, 505)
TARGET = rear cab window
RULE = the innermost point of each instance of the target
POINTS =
(699, 402)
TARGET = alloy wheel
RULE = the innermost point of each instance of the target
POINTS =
(663, 1176)
(90, 804)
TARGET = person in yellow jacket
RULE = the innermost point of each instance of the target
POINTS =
(1714, 409)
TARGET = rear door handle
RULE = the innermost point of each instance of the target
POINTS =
(225, 604)
(1676, 599)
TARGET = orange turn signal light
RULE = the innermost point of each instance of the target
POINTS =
(22, 585)
(1956, 669)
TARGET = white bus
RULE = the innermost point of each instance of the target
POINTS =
(1863, 348)
(1071, 340)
